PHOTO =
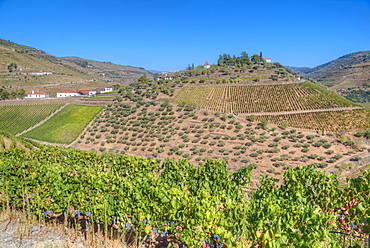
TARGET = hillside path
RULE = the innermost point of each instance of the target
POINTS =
(41, 122)
(356, 166)
(301, 111)
(246, 84)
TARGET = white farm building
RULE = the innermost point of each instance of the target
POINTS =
(68, 93)
(100, 90)
(36, 94)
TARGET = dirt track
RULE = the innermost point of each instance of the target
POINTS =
(71, 100)
(301, 111)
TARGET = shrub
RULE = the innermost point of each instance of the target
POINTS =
(318, 144)
(360, 134)
(274, 144)
(332, 160)
(322, 165)
(338, 156)
(349, 143)
(284, 125)
(327, 145)
(357, 158)
(252, 117)
(321, 158)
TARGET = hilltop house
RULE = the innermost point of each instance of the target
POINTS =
(68, 93)
(268, 60)
(206, 65)
(36, 94)
(166, 76)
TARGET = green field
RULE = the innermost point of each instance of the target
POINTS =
(66, 125)
(17, 118)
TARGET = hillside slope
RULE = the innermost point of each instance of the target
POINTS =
(351, 70)
(120, 73)
(30, 60)
(18, 61)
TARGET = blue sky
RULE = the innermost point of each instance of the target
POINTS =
(170, 34)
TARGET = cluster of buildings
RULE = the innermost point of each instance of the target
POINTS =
(84, 92)
(69, 93)
(41, 73)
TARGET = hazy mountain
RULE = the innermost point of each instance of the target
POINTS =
(119, 73)
(297, 68)
(351, 70)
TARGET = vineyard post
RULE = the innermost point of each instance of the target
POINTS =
(105, 224)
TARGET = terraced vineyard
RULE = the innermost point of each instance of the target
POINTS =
(261, 98)
(332, 121)
(16, 118)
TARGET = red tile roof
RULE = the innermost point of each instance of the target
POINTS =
(68, 91)
(167, 75)
(84, 89)
(37, 93)
(206, 63)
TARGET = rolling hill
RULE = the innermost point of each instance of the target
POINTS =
(119, 73)
(294, 68)
(19, 63)
(348, 75)
(351, 70)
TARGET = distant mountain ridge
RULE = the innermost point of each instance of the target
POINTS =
(348, 71)
(294, 68)
(348, 75)
(353, 66)
(120, 73)
(340, 63)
